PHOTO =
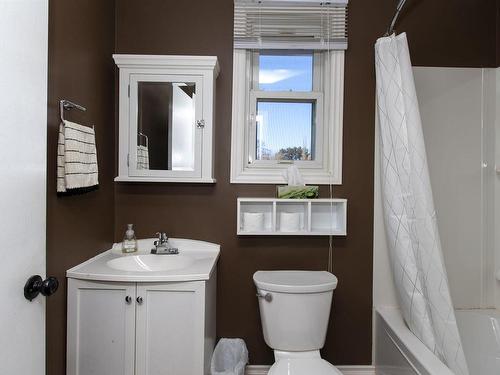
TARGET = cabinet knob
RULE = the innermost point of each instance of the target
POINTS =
(139, 300)
(128, 299)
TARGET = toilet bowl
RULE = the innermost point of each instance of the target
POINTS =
(295, 310)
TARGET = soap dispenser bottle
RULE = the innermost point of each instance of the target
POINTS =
(129, 244)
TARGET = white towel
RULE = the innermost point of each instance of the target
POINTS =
(76, 158)
(142, 157)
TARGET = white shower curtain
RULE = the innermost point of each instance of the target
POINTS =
(410, 220)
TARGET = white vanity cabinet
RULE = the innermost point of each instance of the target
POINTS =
(166, 118)
(160, 328)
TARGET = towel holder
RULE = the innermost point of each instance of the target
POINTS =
(68, 105)
(140, 134)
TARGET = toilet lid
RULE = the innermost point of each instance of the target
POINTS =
(309, 366)
(295, 281)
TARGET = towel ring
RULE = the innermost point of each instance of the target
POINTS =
(66, 105)
(140, 134)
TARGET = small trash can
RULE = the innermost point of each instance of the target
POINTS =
(230, 357)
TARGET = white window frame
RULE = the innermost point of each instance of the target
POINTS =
(328, 92)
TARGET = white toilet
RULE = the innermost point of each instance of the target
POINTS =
(294, 310)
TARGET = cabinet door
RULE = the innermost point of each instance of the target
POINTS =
(101, 328)
(170, 329)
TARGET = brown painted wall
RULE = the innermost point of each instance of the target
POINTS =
(209, 212)
(497, 32)
(450, 33)
(81, 41)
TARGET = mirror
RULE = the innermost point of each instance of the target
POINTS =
(166, 126)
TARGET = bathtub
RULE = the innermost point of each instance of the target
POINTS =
(399, 352)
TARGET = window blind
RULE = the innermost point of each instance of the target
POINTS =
(288, 24)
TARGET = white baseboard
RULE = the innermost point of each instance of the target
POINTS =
(357, 370)
(346, 370)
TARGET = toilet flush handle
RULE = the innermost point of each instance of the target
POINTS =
(267, 296)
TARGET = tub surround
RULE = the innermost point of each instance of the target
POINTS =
(458, 125)
(480, 331)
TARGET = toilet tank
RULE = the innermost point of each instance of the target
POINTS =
(296, 311)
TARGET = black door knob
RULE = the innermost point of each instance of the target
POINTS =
(36, 285)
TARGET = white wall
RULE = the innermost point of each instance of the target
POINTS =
(23, 149)
(457, 112)
(451, 106)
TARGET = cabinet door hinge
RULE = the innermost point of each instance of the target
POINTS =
(128, 91)
(128, 160)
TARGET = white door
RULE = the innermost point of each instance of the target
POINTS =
(23, 144)
(170, 328)
(101, 328)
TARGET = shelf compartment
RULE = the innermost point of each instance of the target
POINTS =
(328, 218)
(289, 209)
(267, 209)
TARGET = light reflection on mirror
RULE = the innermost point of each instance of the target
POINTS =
(166, 126)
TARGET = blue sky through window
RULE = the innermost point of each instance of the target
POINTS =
(281, 125)
(284, 124)
(285, 72)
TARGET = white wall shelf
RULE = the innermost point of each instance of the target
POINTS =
(318, 217)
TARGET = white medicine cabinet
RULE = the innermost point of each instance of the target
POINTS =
(166, 118)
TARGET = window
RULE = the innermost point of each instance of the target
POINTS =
(288, 73)
(284, 107)
(280, 116)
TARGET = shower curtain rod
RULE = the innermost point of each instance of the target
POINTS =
(400, 6)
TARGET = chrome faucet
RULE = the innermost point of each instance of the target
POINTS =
(162, 246)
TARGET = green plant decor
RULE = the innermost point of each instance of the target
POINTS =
(298, 192)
